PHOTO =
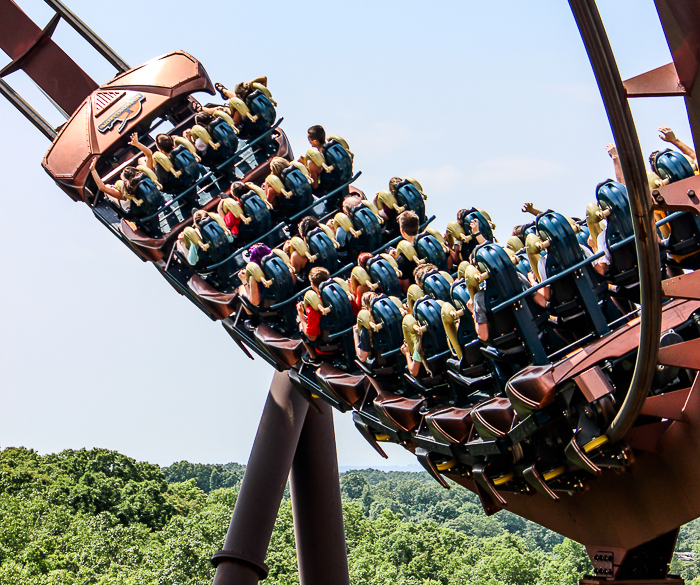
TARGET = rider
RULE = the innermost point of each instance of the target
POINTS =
(356, 288)
(363, 336)
(300, 263)
(408, 228)
(310, 318)
(250, 289)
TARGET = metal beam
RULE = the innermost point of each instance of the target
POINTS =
(318, 510)
(30, 113)
(624, 132)
(242, 560)
(87, 33)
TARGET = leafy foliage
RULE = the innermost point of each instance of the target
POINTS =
(99, 518)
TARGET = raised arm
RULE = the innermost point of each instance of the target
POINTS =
(667, 135)
(108, 189)
(145, 150)
(612, 151)
(531, 209)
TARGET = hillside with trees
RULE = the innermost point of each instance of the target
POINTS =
(99, 517)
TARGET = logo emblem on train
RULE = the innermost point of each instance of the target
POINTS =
(129, 111)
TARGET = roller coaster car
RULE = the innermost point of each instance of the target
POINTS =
(409, 195)
(218, 293)
(516, 331)
(430, 246)
(585, 386)
(684, 241)
(138, 100)
(613, 206)
(384, 271)
(575, 298)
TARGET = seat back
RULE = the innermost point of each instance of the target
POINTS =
(613, 199)
(341, 316)
(431, 250)
(427, 312)
(672, 166)
(459, 297)
(261, 220)
(484, 228)
(275, 270)
(152, 199)
(364, 221)
(184, 161)
(321, 246)
(340, 162)
(383, 273)
(260, 106)
(296, 183)
(684, 240)
(222, 133)
(437, 286)
(514, 325)
(386, 312)
(582, 236)
(573, 293)
(564, 250)
(219, 245)
(409, 197)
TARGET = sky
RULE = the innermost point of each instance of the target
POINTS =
(486, 104)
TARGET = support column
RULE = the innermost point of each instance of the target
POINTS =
(318, 514)
(242, 561)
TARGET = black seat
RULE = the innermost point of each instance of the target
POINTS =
(299, 188)
(516, 330)
(430, 246)
(575, 298)
(261, 220)
(262, 116)
(383, 271)
(339, 162)
(614, 206)
(410, 196)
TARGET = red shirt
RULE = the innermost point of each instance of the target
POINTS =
(356, 304)
(232, 222)
(313, 322)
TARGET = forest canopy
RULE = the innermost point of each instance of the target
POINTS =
(98, 517)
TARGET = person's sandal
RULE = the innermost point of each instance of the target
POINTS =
(220, 88)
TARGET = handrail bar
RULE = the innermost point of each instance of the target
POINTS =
(576, 267)
(324, 198)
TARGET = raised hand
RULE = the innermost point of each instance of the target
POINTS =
(612, 150)
(667, 135)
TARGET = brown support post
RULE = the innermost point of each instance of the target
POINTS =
(242, 561)
(318, 514)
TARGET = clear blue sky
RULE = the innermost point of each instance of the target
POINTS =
(487, 104)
